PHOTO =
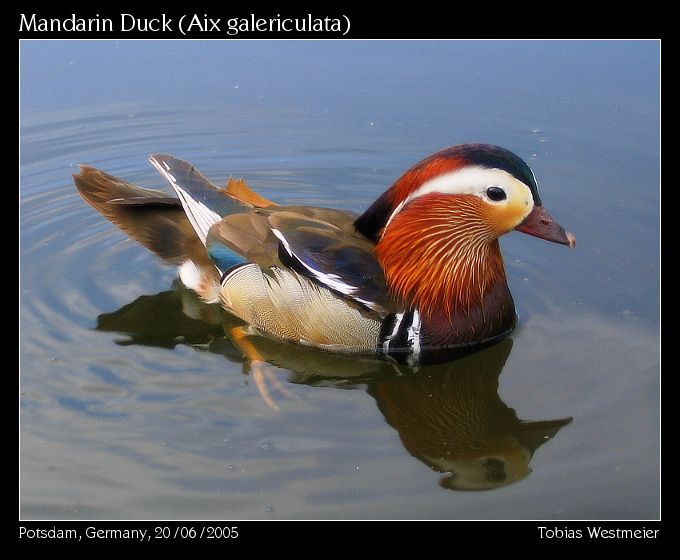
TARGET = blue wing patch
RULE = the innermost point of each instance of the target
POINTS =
(223, 257)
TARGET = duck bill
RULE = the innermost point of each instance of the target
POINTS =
(540, 223)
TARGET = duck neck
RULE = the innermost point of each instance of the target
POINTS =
(442, 260)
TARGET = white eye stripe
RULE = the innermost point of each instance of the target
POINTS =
(474, 180)
(469, 180)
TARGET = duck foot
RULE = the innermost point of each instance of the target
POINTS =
(263, 372)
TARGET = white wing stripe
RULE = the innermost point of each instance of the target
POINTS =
(333, 281)
(200, 216)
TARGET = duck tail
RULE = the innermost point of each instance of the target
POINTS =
(153, 218)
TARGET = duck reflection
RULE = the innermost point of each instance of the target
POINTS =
(448, 415)
(451, 418)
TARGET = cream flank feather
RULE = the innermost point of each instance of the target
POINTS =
(290, 306)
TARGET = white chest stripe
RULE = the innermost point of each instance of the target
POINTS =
(398, 318)
(414, 334)
(414, 340)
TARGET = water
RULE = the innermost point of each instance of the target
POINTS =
(134, 404)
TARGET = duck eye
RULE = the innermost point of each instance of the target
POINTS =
(496, 194)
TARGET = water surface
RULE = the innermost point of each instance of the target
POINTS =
(134, 404)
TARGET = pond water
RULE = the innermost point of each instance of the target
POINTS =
(135, 405)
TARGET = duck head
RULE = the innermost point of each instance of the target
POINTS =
(437, 227)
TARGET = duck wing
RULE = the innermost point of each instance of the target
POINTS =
(319, 244)
(325, 248)
(239, 227)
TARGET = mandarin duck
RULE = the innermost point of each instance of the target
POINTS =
(420, 270)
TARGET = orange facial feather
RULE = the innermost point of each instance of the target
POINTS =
(439, 253)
